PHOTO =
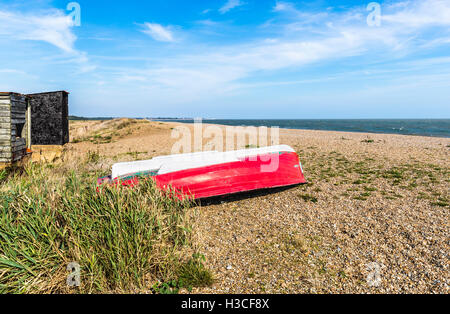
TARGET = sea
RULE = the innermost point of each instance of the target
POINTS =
(419, 127)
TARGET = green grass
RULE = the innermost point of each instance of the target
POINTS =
(363, 196)
(135, 155)
(125, 124)
(194, 274)
(308, 198)
(441, 202)
(3, 175)
(92, 157)
(124, 239)
(96, 139)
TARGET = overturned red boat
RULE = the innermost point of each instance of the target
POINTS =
(210, 174)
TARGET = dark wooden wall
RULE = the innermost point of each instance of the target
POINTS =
(49, 118)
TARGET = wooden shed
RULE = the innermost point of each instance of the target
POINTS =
(15, 127)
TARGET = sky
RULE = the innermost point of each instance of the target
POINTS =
(248, 59)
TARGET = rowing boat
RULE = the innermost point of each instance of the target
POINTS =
(209, 174)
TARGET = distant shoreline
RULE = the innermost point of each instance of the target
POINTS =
(433, 128)
(439, 128)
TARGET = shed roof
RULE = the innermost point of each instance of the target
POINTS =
(59, 91)
(10, 93)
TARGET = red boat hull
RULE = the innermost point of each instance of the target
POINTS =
(231, 178)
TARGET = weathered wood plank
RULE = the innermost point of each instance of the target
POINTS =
(5, 149)
(18, 108)
(5, 114)
(15, 99)
(5, 120)
(15, 110)
(18, 101)
(17, 144)
(5, 155)
(18, 116)
(18, 113)
(5, 137)
(18, 121)
(5, 132)
(18, 97)
(19, 151)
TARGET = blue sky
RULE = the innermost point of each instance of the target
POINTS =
(232, 58)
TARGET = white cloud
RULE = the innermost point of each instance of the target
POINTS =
(159, 32)
(419, 14)
(284, 7)
(221, 69)
(229, 5)
(52, 27)
(12, 71)
(301, 18)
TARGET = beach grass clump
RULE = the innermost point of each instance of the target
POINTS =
(135, 155)
(193, 273)
(441, 202)
(363, 196)
(308, 198)
(101, 139)
(124, 239)
(92, 157)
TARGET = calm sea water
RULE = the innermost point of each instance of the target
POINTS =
(423, 127)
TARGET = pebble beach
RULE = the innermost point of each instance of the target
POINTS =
(373, 218)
